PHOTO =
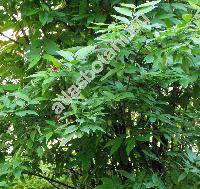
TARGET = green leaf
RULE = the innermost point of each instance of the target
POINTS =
(111, 72)
(20, 102)
(193, 1)
(29, 144)
(143, 11)
(150, 185)
(9, 87)
(149, 4)
(146, 7)
(149, 58)
(40, 151)
(17, 173)
(34, 61)
(93, 128)
(187, 17)
(50, 47)
(68, 138)
(116, 145)
(122, 19)
(83, 7)
(84, 52)
(127, 175)
(182, 176)
(191, 155)
(22, 96)
(185, 81)
(109, 183)
(109, 94)
(126, 95)
(130, 145)
(2, 114)
(53, 60)
(70, 129)
(150, 154)
(195, 6)
(69, 56)
(124, 11)
(26, 112)
(196, 40)
(32, 135)
(47, 83)
(132, 6)
(3, 184)
(30, 11)
(180, 6)
(43, 17)
(158, 182)
(49, 135)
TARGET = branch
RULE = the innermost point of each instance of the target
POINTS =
(50, 180)
(136, 56)
(23, 31)
(53, 184)
(9, 38)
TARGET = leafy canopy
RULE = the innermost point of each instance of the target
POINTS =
(135, 126)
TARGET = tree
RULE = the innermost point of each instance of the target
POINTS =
(100, 94)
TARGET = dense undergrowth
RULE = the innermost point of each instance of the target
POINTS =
(134, 124)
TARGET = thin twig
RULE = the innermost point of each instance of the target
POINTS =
(23, 31)
(50, 180)
(9, 38)
(53, 184)
(129, 78)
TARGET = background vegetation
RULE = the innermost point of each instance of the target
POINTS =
(135, 126)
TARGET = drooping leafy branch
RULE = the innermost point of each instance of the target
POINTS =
(136, 125)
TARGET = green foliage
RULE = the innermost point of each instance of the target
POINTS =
(134, 126)
(31, 184)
